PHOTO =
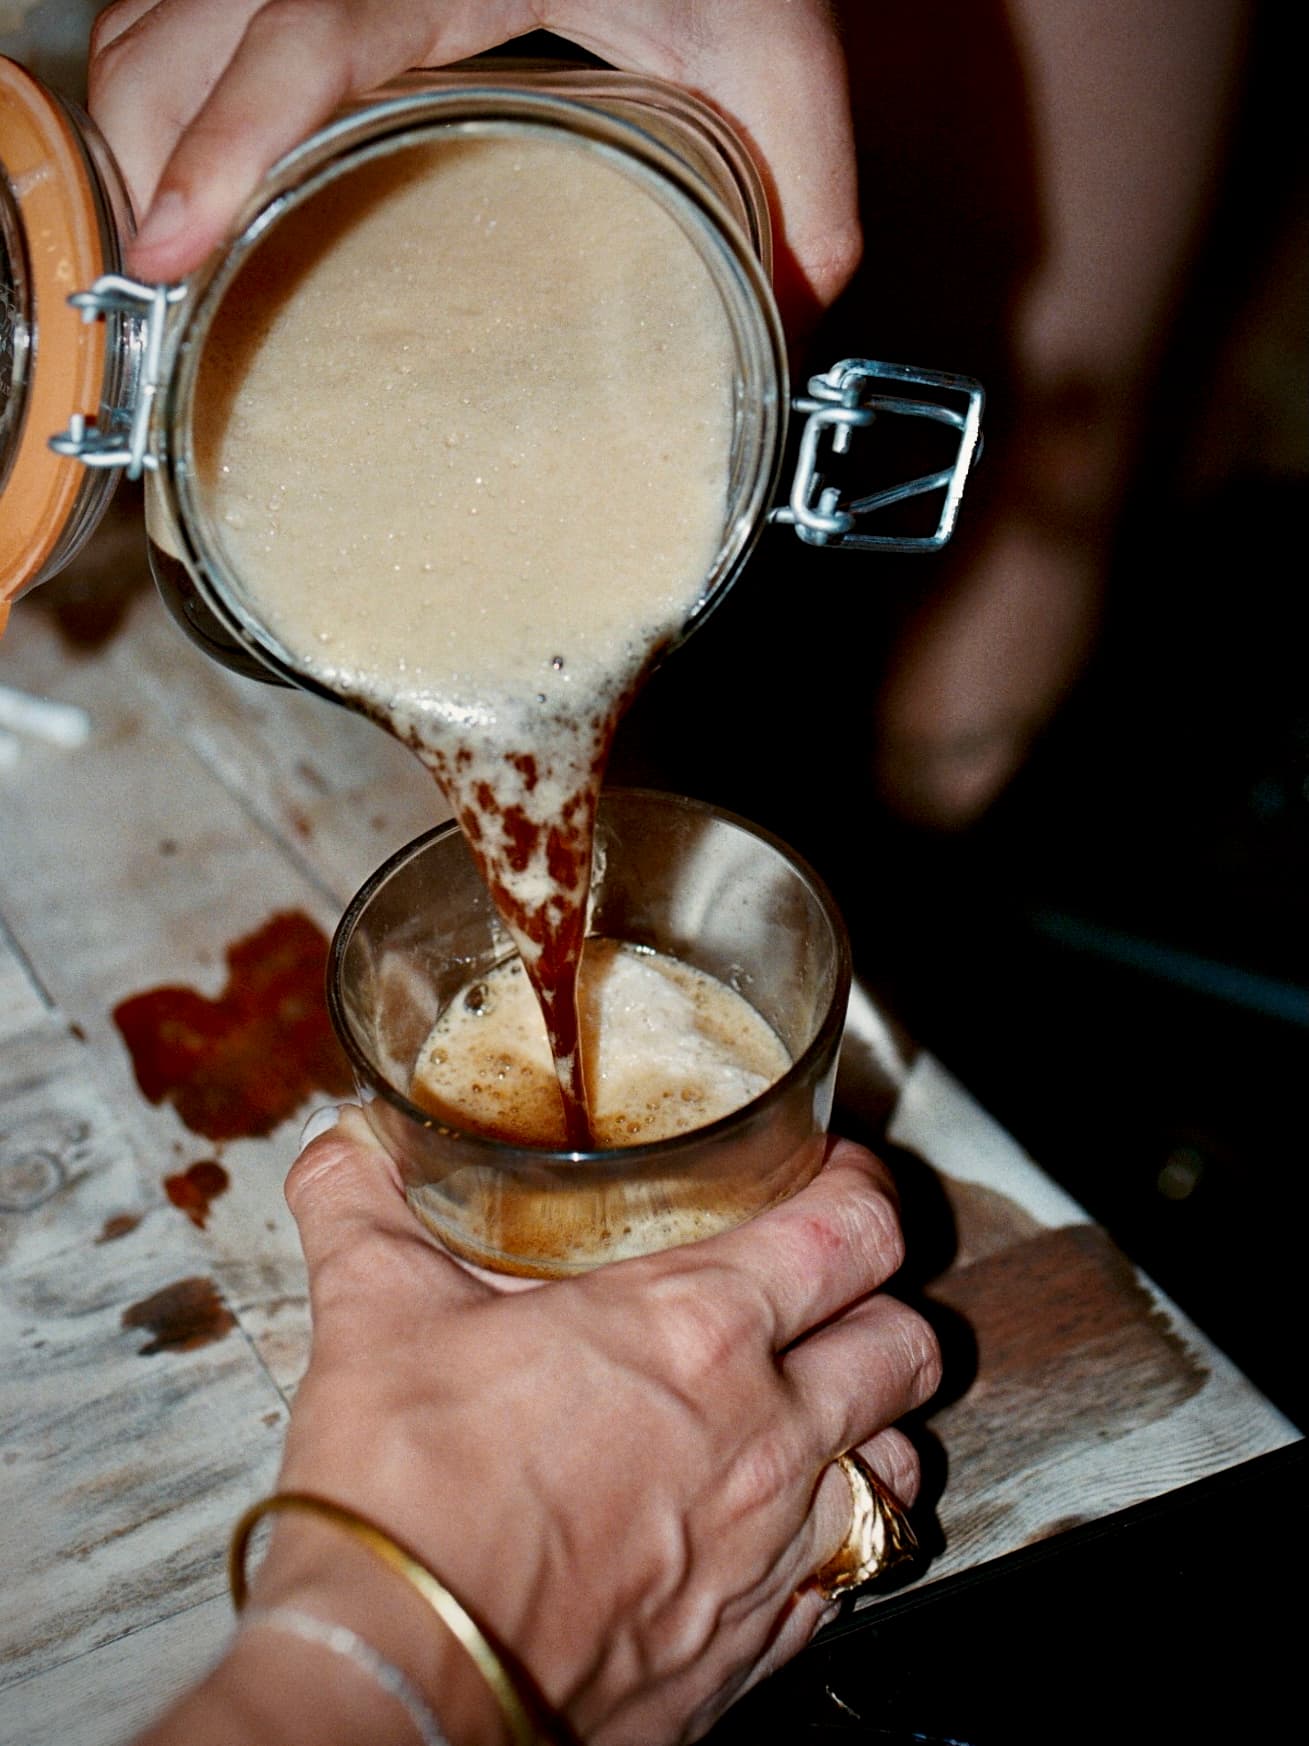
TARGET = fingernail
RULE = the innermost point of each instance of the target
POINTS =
(322, 1121)
(167, 215)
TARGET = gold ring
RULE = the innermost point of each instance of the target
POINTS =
(878, 1539)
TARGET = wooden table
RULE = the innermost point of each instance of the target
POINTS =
(151, 1348)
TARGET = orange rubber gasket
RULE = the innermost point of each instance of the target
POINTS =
(52, 188)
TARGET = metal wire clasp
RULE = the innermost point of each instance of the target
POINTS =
(123, 441)
(839, 403)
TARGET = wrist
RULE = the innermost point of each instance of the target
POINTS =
(277, 1685)
(312, 1568)
(294, 1687)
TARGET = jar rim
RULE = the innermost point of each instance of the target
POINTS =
(638, 98)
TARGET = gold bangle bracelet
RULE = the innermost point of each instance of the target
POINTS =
(523, 1729)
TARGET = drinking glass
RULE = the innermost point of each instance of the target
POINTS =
(687, 879)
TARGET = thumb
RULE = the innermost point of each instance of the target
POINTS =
(348, 1201)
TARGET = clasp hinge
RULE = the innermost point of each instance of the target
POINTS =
(124, 440)
(838, 404)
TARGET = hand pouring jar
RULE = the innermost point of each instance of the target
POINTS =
(99, 374)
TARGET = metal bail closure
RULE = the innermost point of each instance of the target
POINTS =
(839, 403)
(124, 440)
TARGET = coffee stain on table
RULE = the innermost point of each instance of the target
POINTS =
(184, 1315)
(1070, 1348)
(238, 1066)
(195, 1189)
(118, 1225)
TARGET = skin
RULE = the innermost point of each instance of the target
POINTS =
(199, 97)
(625, 1475)
(1130, 105)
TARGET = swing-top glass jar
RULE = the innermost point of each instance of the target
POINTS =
(99, 373)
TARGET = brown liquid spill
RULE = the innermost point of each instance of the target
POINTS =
(194, 1190)
(184, 1315)
(238, 1066)
(118, 1225)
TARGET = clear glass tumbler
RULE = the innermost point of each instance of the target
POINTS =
(696, 883)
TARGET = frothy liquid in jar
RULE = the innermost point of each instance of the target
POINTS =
(464, 426)
(668, 1049)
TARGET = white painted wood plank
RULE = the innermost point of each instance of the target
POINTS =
(121, 1471)
(177, 873)
(337, 792)
(1025, 1501)
(124, 1469)
(22, 1003)
(212, 802)
(108, 1695)
(65, 1169)
(936, 1118)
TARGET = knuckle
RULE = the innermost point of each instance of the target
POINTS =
(920, 1354)
(359, 1268)
(699, 1332)
(105, 29)
(895, 1460)
(307, 1170)
(315, 1177)
(762, 1474)
(856, 1225)
(872, 1229)
(703, 1341)
(831, 260)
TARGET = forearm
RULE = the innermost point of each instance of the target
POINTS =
(279, 1681)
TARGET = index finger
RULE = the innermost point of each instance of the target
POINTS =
(831, 1244)
(287, 68)
(152, 64)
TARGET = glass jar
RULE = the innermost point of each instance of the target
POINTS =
(63, 215)
(129, 388)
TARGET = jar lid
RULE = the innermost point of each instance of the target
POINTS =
(53, 243)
